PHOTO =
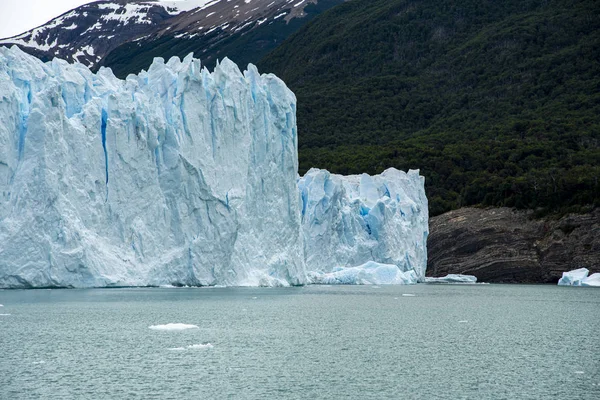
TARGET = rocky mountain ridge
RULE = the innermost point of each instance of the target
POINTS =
(89, 33)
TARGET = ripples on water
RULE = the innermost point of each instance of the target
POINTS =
(417, 342)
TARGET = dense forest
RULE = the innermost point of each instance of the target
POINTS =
(496, 102)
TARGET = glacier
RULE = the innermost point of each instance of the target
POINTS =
(579, 277)
(352, 222)
(179, 176)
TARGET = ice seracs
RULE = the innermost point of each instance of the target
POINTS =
(174, 176)
(356, 227)
(178, 176)
(579, 277)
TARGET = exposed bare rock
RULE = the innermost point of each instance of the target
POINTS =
(506, 245)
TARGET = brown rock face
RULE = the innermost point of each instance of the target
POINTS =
(505, 245)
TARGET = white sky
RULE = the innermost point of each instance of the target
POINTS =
(18, 16)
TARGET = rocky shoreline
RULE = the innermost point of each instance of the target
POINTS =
(504, 245)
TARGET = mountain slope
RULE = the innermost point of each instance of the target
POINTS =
(497, 103)
(237, 30)
(126, 35)
(87, 33)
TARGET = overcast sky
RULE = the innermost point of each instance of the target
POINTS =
(18, 16)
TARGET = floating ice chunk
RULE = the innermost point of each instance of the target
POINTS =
(5, 315)
(39, 362)
(592, 280)
(200, 346)
(579, 277)
(453, 278)
(173, 327)
(579, 372)
(369, 273)
(1, 305)
(408, 295)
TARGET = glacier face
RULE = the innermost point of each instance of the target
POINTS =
(184, 177)
(348, 221)
(176, 176)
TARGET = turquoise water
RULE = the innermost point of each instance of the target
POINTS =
(316, 342)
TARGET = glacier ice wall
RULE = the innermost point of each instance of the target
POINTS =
(179, 176)
(348, 221)
(175, 176)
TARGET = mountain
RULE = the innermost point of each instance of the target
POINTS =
(89, 32)
(498, 103)
(127, 35)
(242, 30)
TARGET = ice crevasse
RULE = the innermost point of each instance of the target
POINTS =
(185, 177)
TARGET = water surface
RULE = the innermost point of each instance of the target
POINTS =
(315, 342)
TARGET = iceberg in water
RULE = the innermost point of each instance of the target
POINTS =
(173, 327)
(453, 278)
(579, 277)
(179, 176)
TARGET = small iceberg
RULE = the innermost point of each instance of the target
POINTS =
(202, 346)
(579, 277)
(5, 315)
(453, 278)
(173, 327)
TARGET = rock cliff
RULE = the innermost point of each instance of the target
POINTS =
(505, 245)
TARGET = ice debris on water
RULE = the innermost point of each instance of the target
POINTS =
(179, 176)
(370, 273)
(203, 346)
(579, 277)
(173, 327)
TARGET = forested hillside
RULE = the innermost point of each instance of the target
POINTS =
(497, 102)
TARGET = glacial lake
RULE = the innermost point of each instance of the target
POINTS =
(314, 342)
